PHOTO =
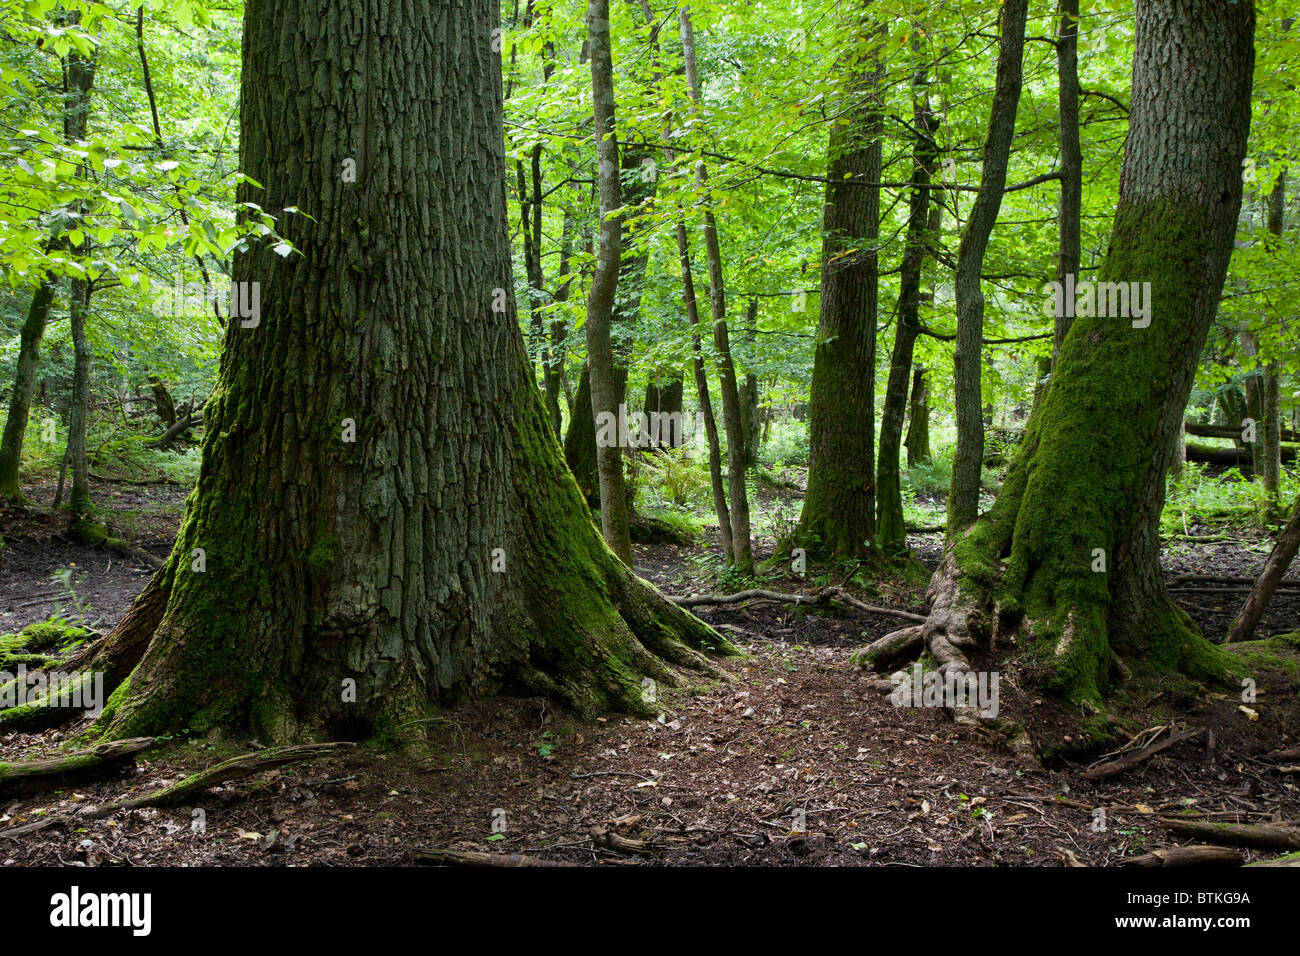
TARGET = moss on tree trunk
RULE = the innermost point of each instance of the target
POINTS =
(383, 519)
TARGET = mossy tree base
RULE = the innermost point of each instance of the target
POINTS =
(1067, 562)
(383, 521)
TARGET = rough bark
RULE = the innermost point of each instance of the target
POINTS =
(1090, 475)
(963, 499)
(839, 507)
(349, 586)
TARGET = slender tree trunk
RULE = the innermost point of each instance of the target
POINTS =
(580, 441)
(720, 508)
(1271, 465)
(918, 424)
(78, 82)
(839, 507)
(891, 533)
(1279, 559)
(605, 392)
(322, 585)
(749, 417)
(964, 497)
(20, 402)
(553, 376)
(79, 502)
(742, 550)
(1070, 205)
(1068, 559)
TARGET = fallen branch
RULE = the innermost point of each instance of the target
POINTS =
(1258, 836)
(1127, 762)
(229, 770)
(610, 840)
(1189, 856)
(472, 858)
(106, 479)
(33, 776)
(818, 598)
(1226, 579)
(179, 792)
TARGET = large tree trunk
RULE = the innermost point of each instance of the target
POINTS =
(444, 552)
(891, 533)
(839, 507)
(741, 546)
(606, 395)
(964, 498)
(1089, 480)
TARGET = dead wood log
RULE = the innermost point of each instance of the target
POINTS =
(34, 776)
(1189, 856)
(472, 858)
(224, 772)
(1258, 836)
(1231, 431)
(817, 598)
(609, 840)
(1131, 760)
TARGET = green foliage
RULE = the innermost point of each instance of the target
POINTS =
(679, 475)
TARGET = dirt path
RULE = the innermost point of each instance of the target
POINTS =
(795, 762)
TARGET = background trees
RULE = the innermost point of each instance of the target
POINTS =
(795, 203)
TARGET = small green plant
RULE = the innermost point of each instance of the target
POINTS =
(73, 609)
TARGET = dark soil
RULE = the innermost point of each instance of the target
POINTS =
(795, 762)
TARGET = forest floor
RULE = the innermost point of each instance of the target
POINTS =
(796, 762)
